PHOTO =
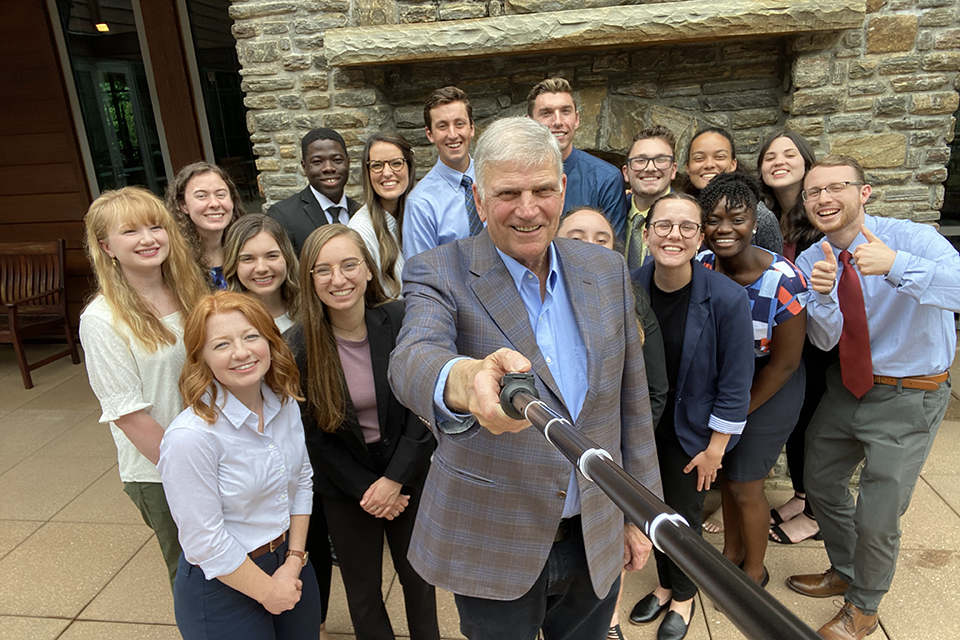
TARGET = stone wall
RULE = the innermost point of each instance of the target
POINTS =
(885, 93)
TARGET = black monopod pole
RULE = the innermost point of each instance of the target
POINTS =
(757, 614)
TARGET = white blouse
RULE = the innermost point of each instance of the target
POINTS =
(283, 322)
(231, 488)
(126, 378)
(362, 223)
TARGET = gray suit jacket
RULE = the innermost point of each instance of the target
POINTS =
(492, 504)
(300, 214)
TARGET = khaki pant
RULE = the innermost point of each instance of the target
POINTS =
(892, 430)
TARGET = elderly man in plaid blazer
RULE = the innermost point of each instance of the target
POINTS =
(523, 541)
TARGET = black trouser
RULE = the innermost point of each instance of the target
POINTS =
(680, 493)
(318, 544)
(358, 539)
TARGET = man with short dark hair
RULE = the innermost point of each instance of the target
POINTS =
(885, 290)
(440, 209)
(327, 166)
(650, 168)
(591, 182)
(506, 523)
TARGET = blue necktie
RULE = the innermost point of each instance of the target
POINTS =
(476, 226)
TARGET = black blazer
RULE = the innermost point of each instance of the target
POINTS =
(716, 360)
(300, 214)
(342, 466)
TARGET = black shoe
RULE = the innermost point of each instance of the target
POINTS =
(673, 627)
(647, 609)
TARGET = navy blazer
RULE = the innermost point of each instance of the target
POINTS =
(716, 361)
(300, 214)
(342, 465)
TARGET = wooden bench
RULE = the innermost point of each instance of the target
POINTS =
(33, 299)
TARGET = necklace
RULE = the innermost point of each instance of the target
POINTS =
(350, 334)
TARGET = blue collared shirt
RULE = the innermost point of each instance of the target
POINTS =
(558, 337)
(436, 210)
(592, 182)
(909, 311)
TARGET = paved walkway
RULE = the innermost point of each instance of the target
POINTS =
(77, 563)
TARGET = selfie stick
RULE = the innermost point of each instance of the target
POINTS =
(756, 613)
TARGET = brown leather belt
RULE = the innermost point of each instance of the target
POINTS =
(270, 547)
(568, 528)
(926, 383)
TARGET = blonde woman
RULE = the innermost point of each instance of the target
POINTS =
(239, 480)
(206, 203)
(259, 260)
(132, 335)
(388, 177)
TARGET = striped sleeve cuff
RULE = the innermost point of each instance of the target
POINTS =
(725, 426)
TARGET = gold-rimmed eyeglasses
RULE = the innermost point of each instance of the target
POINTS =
(324, 272)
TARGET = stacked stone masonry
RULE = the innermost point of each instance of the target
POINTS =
(885, 93)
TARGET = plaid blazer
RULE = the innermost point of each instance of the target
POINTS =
(492, 504)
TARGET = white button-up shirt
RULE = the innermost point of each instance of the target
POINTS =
(231, 488)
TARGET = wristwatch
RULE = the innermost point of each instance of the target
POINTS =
(300, 554)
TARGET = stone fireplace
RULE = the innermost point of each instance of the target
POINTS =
(876, 79)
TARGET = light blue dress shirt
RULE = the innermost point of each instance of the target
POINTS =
(231, 488)
(909, 311)
(558, 337)
(436, 210)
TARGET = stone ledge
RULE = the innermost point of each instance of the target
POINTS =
(686, 21)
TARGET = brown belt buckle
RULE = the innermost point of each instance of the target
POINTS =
(275, 544)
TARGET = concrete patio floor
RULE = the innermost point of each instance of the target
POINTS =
(77, 563)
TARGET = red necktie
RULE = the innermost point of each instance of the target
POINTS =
(856, 365)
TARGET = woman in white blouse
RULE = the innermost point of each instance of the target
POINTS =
(388, 177)
(259, 260)
(132, 335)
(239, 480)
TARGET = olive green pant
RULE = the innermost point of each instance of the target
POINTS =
(152, 502)
(892, 429)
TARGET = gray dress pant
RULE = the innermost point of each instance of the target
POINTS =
(892, 429)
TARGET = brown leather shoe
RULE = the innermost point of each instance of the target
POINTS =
(819, 585)
(849, 624)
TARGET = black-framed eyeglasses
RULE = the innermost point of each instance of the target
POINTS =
(833, 189)
(639, 163)
(376, 166)
(348, 269)
(663, 228)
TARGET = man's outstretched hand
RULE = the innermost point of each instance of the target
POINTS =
(473, 386)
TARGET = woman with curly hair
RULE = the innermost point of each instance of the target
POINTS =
(132, 336)
(259, 260)
(388, 177)
(238, 478)
(778, 298)
(205, 202)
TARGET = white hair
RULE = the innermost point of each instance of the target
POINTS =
(516, 141)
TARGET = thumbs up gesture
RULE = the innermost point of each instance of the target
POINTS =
(873, 258)
(824, 274)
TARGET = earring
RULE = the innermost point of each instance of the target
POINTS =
(755, 231)
(116, 265)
